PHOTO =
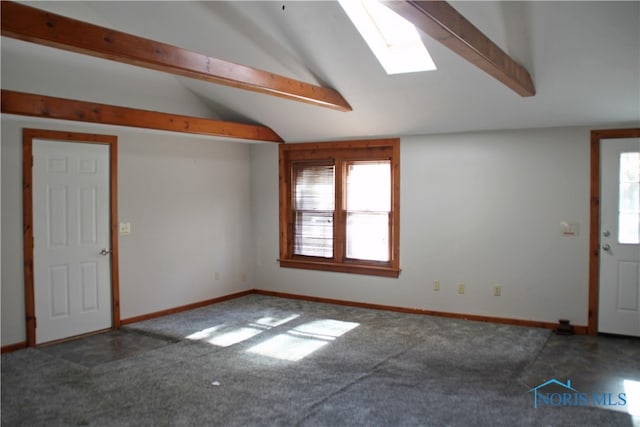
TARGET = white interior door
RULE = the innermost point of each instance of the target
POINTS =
(72, 272)
(619, 296)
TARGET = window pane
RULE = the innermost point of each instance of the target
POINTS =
(368, 203)
(630, 167)
(629, 229)
(368, 236)
(314, 234)
(314, 204)
(314, 187)
(629, 196)
(369, 186)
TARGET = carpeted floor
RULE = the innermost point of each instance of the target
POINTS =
(265, 361)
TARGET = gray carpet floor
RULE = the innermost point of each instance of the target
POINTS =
(265, 361)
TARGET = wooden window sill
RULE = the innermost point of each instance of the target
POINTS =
(371, 270)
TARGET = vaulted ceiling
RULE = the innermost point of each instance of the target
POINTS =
(583, 57)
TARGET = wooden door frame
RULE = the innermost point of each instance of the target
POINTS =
(594, 224)
(28, 135)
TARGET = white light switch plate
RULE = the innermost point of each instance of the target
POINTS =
(569, 228)
(125, 228)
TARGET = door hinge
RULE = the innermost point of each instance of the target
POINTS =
(32, 161)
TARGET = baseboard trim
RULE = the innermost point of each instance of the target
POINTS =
(13, 347)
(578, 329)
(184, 307)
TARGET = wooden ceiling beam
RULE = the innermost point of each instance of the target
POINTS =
(443, 23)
(37, 26)
(28, 104)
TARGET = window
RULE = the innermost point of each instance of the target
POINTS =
(629, 205)
(340, 206)
(394, 41)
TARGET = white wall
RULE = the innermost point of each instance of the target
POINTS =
(476, 208)
(188, 201)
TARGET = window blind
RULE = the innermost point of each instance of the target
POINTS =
(314, 205)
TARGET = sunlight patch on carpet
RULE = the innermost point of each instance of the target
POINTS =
(233, 337)
(273, 322)
(223, 337)
(301, 341)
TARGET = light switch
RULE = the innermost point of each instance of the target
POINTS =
(125, 228)
(569, 228)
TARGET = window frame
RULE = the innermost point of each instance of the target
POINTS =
(339, 153)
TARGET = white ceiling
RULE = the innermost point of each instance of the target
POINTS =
(584, 58)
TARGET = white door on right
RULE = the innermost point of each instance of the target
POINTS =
(619, 296)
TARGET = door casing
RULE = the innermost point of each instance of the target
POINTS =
(594, 223)
(28, 135)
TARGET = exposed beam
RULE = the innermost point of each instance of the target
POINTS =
(442, 22)
(28, 104)
(41, 27)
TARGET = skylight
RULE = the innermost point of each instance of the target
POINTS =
(393, 40)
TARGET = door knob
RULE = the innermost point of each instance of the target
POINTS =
(606, 247)
(105, 252)
(606, 233)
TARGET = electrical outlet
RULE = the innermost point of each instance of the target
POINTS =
(461, 288)
(497, 290)
(244, 277)
(217, 275)
(436, 285)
